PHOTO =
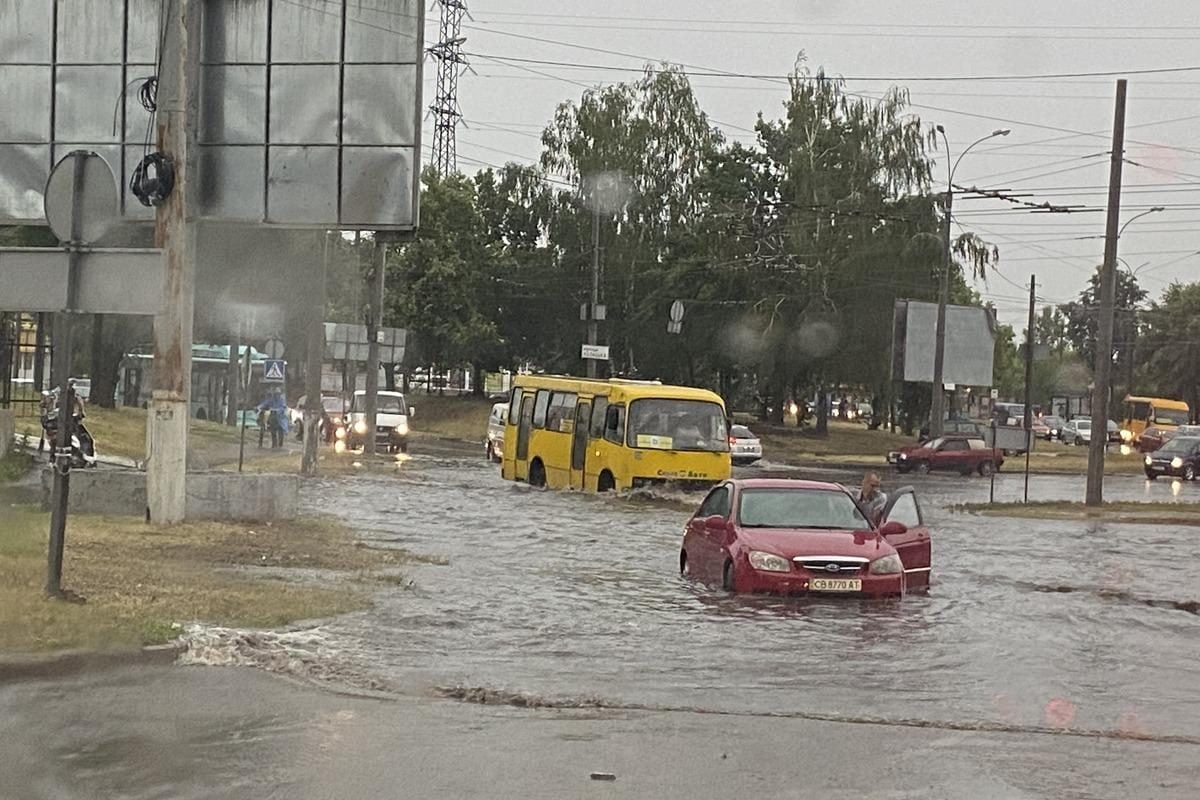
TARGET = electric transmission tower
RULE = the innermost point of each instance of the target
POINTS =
(451, 63)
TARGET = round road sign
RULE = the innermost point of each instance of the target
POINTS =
(98, 203)
(273, 348)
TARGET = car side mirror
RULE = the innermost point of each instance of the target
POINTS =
(716, 523)
(412, 411)
(892, 528)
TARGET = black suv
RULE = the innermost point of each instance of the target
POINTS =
(1179, 457)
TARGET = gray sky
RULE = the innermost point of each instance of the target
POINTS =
(506, 104)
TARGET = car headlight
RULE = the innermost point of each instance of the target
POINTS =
(888, 565)
(904, 456)
(402, 428)
(360, 427)
(769, 562)
(1176, 462)
(340, 433)
(1149, 461)
(1126, 436)
(1054, 431)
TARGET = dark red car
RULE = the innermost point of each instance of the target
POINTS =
(784, 536)
(961, 454)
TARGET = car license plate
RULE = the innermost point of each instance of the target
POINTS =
(835, 585)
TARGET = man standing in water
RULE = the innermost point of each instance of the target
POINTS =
(870, 498)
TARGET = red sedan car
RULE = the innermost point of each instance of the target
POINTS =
(799, 537)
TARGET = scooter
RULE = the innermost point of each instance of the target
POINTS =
(83, 446)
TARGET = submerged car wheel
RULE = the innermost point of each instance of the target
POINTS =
(684, 568)
(1151, 476)
(921, 467)
(537, 473)
(987, 468)
(606, 482)
(729, 578)
(1189, 473)
(491, 453)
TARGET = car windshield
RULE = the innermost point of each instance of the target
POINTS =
(662, 424)
(936, 443)
(799, 508)
(384, 404)
(741, 432)
(332, 404)
(1170, 416)
(1180, 444)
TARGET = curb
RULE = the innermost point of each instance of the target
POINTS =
(73, 662)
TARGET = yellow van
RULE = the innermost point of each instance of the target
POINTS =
(1142, 412)
(565, 432)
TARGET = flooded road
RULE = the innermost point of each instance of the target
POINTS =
(560, 595)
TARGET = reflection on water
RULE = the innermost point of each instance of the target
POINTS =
(1028, 622)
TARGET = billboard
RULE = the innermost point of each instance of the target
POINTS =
(309, 110)
(970, 343)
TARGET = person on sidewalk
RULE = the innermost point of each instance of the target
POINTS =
(272, 414)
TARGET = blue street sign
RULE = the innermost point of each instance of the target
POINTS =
(274, 370)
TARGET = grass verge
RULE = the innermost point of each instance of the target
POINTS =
(137, 581)
(462, 418)
(14, 466)
(1132, 512)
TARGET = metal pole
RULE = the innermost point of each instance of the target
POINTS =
(245, 391)
(593, 331)
(1029, 383)
(60, 492)
(312, 370)
(175, 233)
(992, 489)
(1099, 440)
(374, 318)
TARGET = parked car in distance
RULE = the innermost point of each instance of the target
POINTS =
(1153, 438)
(1053, 426)
(1077, 431)
(1114, 432)
(1179, 457)
(784, 536)
(1040, 429)
(957, 426)
(744, 446)
(961, 454)
(493, 446)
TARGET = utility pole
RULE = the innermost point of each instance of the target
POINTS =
(374, 322)
(937, 407)
(175, 233)
(1029, 382)
(593, 332)
(313, 409)
(1099, 440)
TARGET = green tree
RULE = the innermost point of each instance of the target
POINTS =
(1172, 340)
(1083, 319)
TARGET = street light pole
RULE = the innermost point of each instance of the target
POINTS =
(937, 410)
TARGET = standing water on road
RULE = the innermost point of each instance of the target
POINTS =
(556, 594)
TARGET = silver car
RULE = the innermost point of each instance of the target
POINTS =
(494, 445)
(744, 446)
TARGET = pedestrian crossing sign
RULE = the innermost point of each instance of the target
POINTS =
(273, 370)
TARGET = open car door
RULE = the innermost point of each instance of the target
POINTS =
(912, 545)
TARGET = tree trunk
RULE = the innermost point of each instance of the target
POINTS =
(389, 377)
(233, 380)
(106, 361)
(822, 412)
(478, 377)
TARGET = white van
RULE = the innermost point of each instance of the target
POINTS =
(392, 414)
(494, 445)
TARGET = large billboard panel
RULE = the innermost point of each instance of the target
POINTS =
(970, 343)
(310, 110)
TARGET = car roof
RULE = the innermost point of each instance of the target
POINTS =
(380, 393)
(787, 483)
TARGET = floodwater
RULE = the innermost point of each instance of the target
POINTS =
(571, 596)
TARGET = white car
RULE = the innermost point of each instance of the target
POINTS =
(744, 446)
(392, 414)
(494, 444)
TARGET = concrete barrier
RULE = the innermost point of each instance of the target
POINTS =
(210, 495)
(8, 430)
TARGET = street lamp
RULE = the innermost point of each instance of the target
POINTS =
(1132, 219)
(938, 407)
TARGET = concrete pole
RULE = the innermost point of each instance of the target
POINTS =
(167, 423)
(937, 406)
(374, 318)
(1108, 281)
(593, 331)
(312, 370)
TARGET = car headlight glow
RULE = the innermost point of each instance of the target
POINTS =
(360, 427)
(1176, 462)
(1126, 436)
(904, 456)
(888, 565)
(402, 428)
(1054, 431)
(1149, 461)
(769, 562)
(340, 434)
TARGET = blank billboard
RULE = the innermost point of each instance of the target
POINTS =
(970, 343)
(309, 110)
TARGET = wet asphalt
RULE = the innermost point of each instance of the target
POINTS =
(1041, 651)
